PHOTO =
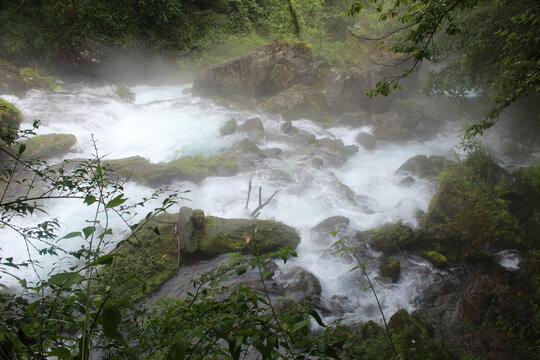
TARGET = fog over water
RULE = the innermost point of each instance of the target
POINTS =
(167, 122)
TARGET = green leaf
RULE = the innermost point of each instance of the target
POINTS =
(22, 147)
(317, 317)
(89, 199)
(89, 230)
(110, 319)
(119, 200)
(156, 230)
(108, 259)
(178, 350)
(66, 279)
(61, 353)
(71, 235)
(299, 325)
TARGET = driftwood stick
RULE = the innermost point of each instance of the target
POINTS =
(256, 212)
(249, 194)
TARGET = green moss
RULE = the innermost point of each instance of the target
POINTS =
(36, 78)
(413, 341)
(390, 268)
(531, 175)
(438, 260)
(10, 116)
(466, 214)
(146, 261)
(50, 145)
(390, 237)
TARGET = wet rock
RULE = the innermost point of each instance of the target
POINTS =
(355, 119)
(273, 152)
(297, 285)
(351, 149)
(390, 268)
(324, 229)
(367, 141)
(407, 182)
(425, 167)
(253, 128)
(332, 146)
(229, 128)
(345, 90)
(265, 71)
(14, 80)
(48, 146)
(390, 237)
(192, 168)
(300, 102)
(288, 129)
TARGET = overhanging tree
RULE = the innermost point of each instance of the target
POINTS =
(488, 47)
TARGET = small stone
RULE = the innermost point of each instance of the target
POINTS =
(229, 128)
(367, 141)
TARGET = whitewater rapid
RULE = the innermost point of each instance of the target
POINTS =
(167, 122)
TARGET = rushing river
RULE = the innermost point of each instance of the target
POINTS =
(167, 122)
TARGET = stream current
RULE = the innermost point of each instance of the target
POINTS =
(167, 122)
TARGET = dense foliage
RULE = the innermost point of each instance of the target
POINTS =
(484, 47)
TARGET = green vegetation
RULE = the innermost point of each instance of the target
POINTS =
(493, 47)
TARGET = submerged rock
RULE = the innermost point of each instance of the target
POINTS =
(265, 71)
(253, 128)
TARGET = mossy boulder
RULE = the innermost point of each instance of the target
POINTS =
(14, 80)
(413, 341)
(219, 236)
(390, 237)
(10, 116)
(390, 268)
(288, 128)
(466, 214)
(425, 167)
(49, 145)
(263, 72)
(192, 168)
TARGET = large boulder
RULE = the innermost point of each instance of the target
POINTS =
(300, 102)
(253, 128)
(208, 236)
(14, 80)
(345, 90)
(425, 167)
(263, 72)
(49, 145)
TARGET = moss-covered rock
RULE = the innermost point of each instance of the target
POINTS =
(14, 80)
(144, 262)
(192, 168)
(413, 341)
(425, 167)
(390, 268)
(438, 260)
(390, 237)
(49, 145)
(10, 116)
(465, 215)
